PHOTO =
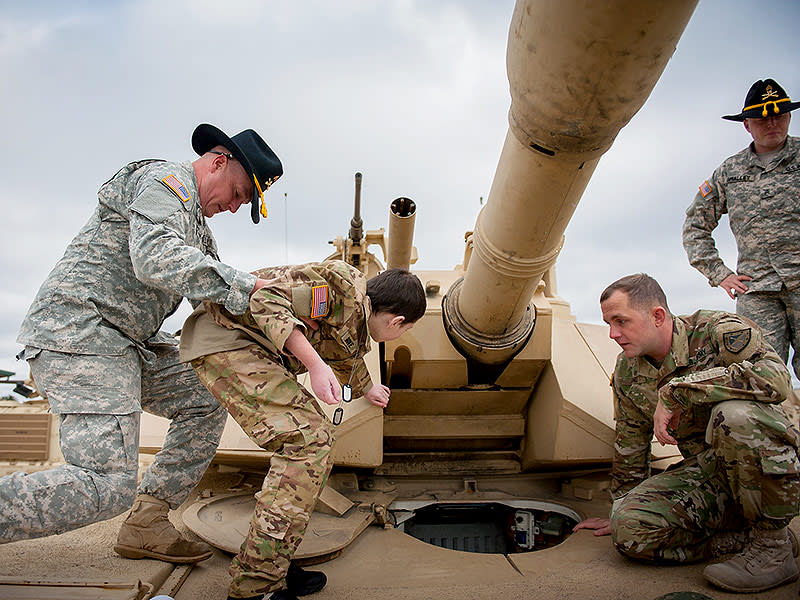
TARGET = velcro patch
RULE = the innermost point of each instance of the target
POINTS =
(319, 301)
(176, 186)
(347, 340)
(705, 189)
(706, 375)
(736, 341)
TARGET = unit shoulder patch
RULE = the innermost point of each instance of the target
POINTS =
(176, 186)
(736, 341)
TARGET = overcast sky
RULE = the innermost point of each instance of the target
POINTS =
(412, 94)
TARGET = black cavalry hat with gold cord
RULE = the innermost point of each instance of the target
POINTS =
(765, 99)
(258, 159)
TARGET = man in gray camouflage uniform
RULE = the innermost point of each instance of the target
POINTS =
(759, 188)
(709, 383)
(95, 351)
(317, 317)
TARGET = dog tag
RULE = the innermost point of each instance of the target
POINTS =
(337, 416)
(347, 392)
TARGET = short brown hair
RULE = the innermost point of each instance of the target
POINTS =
(399, 292)
(643, 292)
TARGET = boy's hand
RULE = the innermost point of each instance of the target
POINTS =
(379, 395)
(325, 384)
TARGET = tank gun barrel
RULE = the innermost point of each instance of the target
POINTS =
(402, 214)
(356, 224)
(578, 72)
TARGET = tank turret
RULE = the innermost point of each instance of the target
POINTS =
(497, 376)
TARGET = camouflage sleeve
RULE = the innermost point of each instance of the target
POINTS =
(748, 369)
(273, 315)
(702, 218)
(161, 258)
(631, 445)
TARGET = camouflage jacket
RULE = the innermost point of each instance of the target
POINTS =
(715, 356)
(761, 203)
(146, 246)
(332, 294)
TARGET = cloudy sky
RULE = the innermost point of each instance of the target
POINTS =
(412, 94)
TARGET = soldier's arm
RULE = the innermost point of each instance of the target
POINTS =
(323, 381)
(161, 258)
(272, 314)
(748, 369)
(634, 431)
(702, 217)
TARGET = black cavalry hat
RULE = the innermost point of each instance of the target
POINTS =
(765, 99)
(258, 160)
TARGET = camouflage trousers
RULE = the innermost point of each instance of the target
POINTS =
(99, 437)
(748, 476)
(778, 316)
(281, 416)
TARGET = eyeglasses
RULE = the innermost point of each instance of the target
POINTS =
(228, 156)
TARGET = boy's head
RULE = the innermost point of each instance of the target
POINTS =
(398, 301)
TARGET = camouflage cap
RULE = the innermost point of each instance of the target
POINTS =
(258, 159)
(764, 99)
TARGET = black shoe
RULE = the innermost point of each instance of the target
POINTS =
(301, 582)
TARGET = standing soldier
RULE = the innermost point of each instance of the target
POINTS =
(307, 318)
(709, 383)
(759, 188)
(94, 347)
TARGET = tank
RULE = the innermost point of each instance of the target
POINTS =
(498, 377)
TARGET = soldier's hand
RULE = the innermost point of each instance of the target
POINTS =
(379, 395)
(324, 383)
(260, 283)
(600, 526)
(662, 419)
(734, 284)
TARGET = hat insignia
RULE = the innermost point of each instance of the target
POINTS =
(770, 93)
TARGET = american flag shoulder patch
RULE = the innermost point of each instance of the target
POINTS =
(705, 189)
(176, 186)
(319, 301)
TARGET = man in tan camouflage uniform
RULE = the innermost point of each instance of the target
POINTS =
(317, 317)
(95, 350)
(759, 188)
(709, 383)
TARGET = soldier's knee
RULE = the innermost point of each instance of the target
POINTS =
(636, 533)
(730, 420)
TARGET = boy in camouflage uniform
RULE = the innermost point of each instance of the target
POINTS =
(94, 347)
(307, 316)
(759, 189)
(709, 383)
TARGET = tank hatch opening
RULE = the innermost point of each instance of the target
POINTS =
(486, 527)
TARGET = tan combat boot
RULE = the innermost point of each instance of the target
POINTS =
(148, 533)
(766, 563)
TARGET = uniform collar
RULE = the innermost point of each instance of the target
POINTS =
(678, 355)
(790, 148)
